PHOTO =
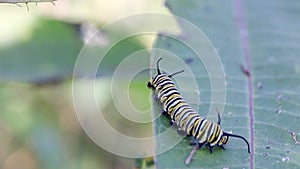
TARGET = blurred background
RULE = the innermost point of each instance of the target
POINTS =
(38, 51)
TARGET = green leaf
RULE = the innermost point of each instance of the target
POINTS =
(262, 107)
(52, 48)
(49, 53)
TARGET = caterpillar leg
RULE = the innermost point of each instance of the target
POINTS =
(155, 96)
(179, 131)
(163, 112)
(201, 144)
(222, 147)
(210, 148)
(172, 123)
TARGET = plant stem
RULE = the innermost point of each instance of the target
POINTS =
(190, 157)
(24, 1)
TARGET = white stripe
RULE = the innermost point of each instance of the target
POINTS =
(172, 103)
(179, 110)
(162, 94)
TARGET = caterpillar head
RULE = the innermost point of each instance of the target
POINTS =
(225, 137)
(224, 140)
(154, 80)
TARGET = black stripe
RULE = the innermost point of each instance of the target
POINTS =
(189, 123)
(177, 111)
(169, 102)
(166, 87)
(209, 129)
(168, 90)
(164, 80)
(186, 106)
(167, 95)
(216, 136)
(198, 127)
(157, 77)
(184, 113)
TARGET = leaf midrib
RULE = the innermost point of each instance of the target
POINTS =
(242, 27)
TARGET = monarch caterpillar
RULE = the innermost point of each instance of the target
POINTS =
(187, 119)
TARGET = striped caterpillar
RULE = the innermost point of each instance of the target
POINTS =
(187, 119)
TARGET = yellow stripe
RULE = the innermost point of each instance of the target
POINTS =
(202, 136)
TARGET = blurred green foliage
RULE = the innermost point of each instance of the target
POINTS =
(38, 51)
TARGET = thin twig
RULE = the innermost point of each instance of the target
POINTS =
(27, 6)
(190, 157)
(25, 1)
(17, 2)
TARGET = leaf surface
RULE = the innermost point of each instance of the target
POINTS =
(262, 107)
